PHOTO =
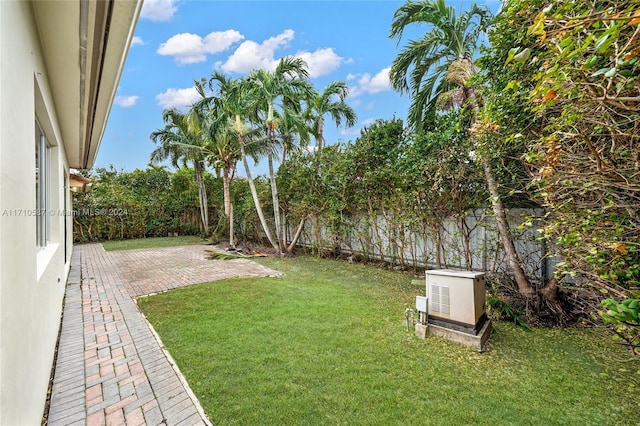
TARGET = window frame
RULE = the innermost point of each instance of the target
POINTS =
(43, 188)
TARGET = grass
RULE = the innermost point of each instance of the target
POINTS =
(142, 243)
(326, 344)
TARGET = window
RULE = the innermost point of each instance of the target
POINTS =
(43, 191)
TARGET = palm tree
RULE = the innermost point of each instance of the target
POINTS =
(181, 142)
(281, 89)
(422, 65)
(222, 152)
(436, 70)
(331, 101)
(293, 132)
(235, 105)
(223, 155)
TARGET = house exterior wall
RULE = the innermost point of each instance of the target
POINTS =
(32, 278)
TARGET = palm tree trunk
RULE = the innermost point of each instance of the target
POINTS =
(227, 203)
(202, 196)
(513, 260)
(296, 237)
(284, 225)
(276, 202)
(226, 192)
(320, 134)
(436, 239)
(524, 287)
(232, 243)
(254, 194)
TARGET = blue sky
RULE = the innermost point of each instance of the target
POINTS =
(177, 42)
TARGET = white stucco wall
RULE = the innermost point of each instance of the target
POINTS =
(32, 280)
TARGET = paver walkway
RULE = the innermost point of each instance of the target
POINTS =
(156, 270)
(111, 368)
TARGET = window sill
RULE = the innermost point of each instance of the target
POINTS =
(44, 257)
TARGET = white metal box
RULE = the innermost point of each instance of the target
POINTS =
(421, 304)
(456, 296)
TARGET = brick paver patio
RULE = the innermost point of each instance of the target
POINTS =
(111, 368)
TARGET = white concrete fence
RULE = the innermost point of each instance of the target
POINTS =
(467, 242)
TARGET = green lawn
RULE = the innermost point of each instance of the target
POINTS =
(327, 344)
(142, 243)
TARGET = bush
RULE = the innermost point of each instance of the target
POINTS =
(624, 318)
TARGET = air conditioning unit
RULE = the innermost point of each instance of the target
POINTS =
(456, 298)
(456, 306)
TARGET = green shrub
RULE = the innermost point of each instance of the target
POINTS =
(624, 318)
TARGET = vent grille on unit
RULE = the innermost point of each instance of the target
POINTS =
(440, 299)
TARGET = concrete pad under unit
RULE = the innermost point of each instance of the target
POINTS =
(478, 341)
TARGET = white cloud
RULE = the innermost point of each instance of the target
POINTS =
(137, 40)
(219, 41)
(158, 10)
(355, 130)
(187, 48)
(371, 85)
(321, 62)
(178, 98)
(126, 101)
(251, 55)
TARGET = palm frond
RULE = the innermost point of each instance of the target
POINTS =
(438, 60)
